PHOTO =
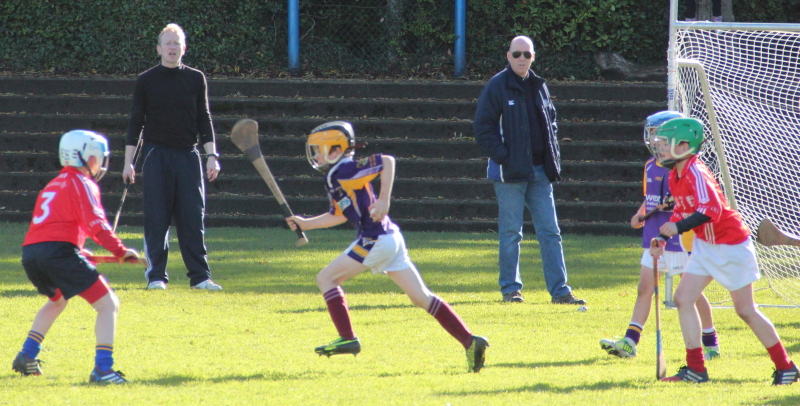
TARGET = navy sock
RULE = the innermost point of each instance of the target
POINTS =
(634, 332)
(103, 357)
(32, 345)
(710, 337)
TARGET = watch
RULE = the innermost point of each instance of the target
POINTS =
(215, 155)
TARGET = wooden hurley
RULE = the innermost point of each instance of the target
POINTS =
(245, 136)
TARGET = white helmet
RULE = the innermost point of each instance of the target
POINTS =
(77, 146)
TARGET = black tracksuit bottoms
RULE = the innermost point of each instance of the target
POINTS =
(174, 189)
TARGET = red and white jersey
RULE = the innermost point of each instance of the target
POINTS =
(69, 209)
(696, 190)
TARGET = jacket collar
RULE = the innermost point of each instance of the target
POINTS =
(511, 79)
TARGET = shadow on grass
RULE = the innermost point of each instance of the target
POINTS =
(19, 293)
(546, 364)
(789, 400)
(270, 376)
(357, 308)
(543, 387)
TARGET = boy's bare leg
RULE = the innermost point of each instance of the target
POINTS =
(48, 314)
(704, 310)
(338, 271)
(746, 309)
(689, 290)
(107, 308)
(411, 283)
(644, 296)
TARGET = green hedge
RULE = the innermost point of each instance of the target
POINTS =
(248, 37)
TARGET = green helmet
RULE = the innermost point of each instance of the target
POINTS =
(676, 131)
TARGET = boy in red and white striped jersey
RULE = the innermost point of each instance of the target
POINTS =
(722, 250)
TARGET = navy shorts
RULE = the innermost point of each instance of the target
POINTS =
(55, 265)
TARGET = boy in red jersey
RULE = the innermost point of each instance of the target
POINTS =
(379, 244)
(722, 250)
(67, 211)
(673, 262)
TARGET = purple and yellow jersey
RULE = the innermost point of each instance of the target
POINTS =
(351, 193)
(656, 190)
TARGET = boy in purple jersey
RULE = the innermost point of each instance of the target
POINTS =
(657, 196)
(379, 245)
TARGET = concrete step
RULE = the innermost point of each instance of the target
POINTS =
(466, 90)
(34, 125)
(406, 167)
(323, 107)
(299, 186)
(292, 146)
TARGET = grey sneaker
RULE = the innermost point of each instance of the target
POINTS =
(25, 365)
(476, 353)
(624, 348)
(207, 284)
(513, 297)
(157, 285)
(568, 299)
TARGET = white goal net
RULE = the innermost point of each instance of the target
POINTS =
(753, 102)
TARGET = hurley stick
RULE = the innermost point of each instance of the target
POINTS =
(769, 234)
(245, 136)
(661, 361)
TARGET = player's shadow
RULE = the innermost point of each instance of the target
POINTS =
(532, 365)
(356, 307)
(18, 293)
(178, 380)
(543, 387)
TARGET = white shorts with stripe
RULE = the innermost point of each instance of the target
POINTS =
(732, 266)
(387, 254)
(673, 263)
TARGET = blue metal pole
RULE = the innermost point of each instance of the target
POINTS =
(461, 38)
(294, 37)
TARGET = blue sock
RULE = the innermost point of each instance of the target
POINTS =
(103, 357)
(32, 345)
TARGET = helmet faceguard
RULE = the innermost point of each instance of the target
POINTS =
(674, 132)
(324, 139)
(78, 146)
(653, 122)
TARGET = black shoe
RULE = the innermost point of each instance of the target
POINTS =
(686, 374)
(476, 354)
(340, 346)
(25, 365)
(513, 297)
(785, 376)
(568, 299)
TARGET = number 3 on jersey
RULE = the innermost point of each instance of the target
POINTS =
(48, 196)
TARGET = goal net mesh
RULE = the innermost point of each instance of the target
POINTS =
(754, 83)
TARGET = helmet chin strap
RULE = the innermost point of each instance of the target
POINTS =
(96, 176)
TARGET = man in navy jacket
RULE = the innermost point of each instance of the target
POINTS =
(515, 126)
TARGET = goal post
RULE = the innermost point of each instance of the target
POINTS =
(742, 80)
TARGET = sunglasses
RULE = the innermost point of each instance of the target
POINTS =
(516, 54)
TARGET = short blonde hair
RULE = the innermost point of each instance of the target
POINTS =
(174, 28)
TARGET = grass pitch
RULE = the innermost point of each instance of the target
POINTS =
(253, 342)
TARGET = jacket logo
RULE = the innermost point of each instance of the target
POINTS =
(511, 102)
(344, 203)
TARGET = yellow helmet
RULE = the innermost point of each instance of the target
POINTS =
(324, 138)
